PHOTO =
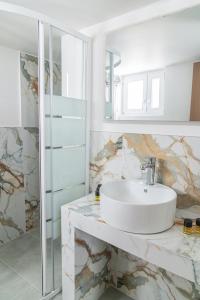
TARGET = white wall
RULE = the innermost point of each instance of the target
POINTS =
(98, 82)
(157, 43)
(178, 92)
(10, 102)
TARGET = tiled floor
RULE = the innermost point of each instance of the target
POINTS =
(20, 268)
(58, 297)
(112, 294)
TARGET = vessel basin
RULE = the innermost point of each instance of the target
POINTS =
(135, 207)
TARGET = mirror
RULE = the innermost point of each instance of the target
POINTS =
(152, 69)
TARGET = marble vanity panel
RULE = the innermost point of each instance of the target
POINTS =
(141, 280)
(31, 176)
(84, 263)
(12, 196)
(68, 256)
(119, 156)
(90, 262)
(91, 266)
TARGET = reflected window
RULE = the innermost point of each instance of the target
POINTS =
(135, 95)
(143, 94)
(155, 93)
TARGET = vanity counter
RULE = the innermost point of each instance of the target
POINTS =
(170, 250)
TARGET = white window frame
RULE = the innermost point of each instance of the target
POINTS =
(125, 81)
(155, 111)
(123, 113)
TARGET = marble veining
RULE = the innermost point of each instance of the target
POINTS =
(91, 267)
(119, 156)
(141, 280)
(162, 266)
(19, 174)
(29, 87)
(12, 200)
(31, 176)
(19, 156)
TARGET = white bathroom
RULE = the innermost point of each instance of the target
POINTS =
(100, 150)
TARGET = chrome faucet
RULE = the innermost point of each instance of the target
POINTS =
(149, 165)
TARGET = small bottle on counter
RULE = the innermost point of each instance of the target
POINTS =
(97, 192)
(197, 227)
(188, 228)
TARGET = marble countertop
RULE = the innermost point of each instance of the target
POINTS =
(171, 250)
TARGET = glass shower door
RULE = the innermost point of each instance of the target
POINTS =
(64, 139)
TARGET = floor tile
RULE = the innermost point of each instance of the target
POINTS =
(13, 287)
(27, 293)
(58, 266)
(23, 255)
(58, 297)
(35, 232)
(114, 295)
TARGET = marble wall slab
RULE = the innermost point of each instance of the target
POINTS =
(119, 156)
(19, 175)
(29, 87)
(31, 176)
(12, 193)
(19, 155)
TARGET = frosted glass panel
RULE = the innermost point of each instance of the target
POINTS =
(56, 229)
(63, 197)
(65, 136)
(65, 106)
(65, 132)
(68, 167)
(108, 110)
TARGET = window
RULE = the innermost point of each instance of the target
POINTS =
(155, 93)
(143, 94)
(135, 95)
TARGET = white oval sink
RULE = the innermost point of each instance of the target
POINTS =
(135, 207)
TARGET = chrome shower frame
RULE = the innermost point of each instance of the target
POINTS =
(87, 54)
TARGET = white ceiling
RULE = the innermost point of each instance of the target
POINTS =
(21, 32)
(79, 14)
(18, 32)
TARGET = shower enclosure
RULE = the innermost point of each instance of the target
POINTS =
(64, 138)
(63, 94)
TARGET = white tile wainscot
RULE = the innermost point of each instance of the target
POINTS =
(87, 249)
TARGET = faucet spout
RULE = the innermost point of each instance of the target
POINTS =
(150, 166)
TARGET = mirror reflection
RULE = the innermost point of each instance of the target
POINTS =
(152, 70)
